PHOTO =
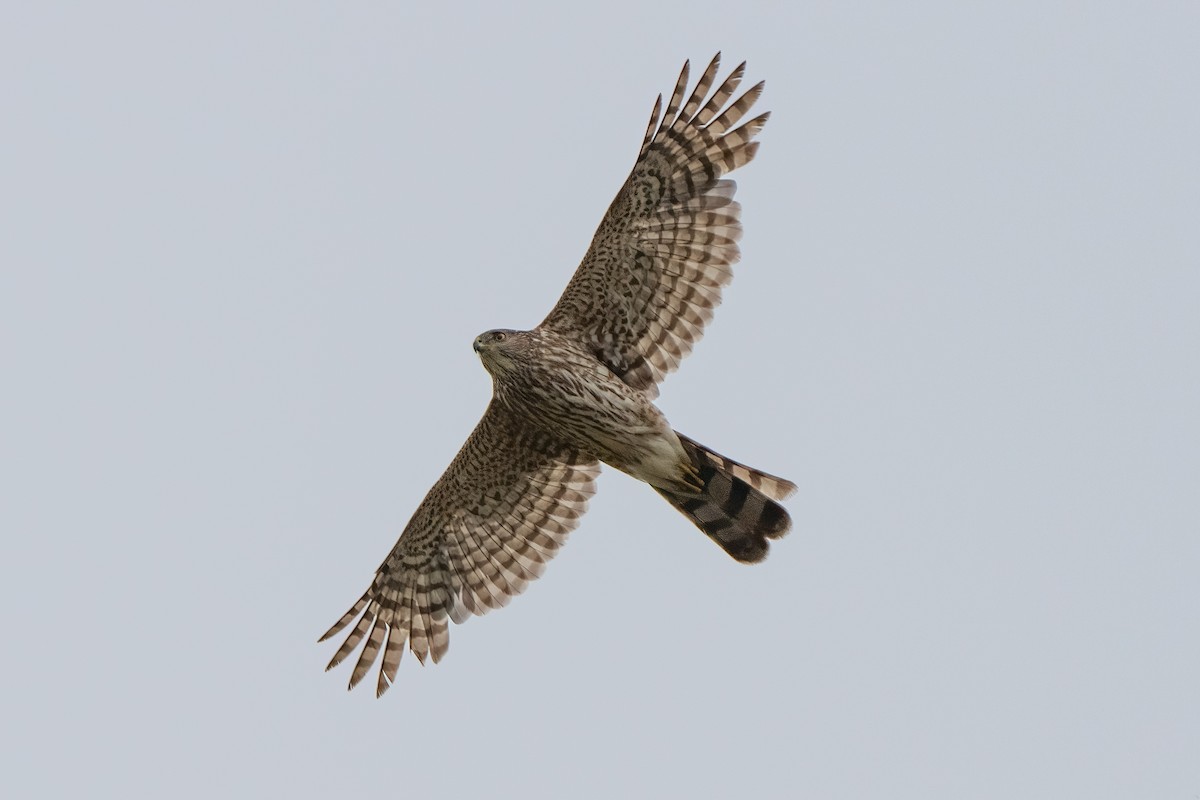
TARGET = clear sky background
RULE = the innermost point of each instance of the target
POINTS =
(246, 247)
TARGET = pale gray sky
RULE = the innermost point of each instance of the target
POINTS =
(245, 250)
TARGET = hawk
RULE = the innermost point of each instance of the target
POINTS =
(578, 390)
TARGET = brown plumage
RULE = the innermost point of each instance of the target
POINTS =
(579, 390)
(737, 505)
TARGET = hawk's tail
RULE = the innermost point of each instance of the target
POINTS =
(737, 508)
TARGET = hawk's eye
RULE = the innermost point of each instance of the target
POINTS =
(498, 336)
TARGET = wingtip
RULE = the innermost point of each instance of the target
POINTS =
(329, 633)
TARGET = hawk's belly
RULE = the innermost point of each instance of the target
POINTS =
(582, 402)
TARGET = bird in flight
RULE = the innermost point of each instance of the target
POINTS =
(578, 390)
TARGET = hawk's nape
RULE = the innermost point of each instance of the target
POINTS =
(578, 390)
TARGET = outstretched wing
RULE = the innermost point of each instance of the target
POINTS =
(656, 266)
(503, 508)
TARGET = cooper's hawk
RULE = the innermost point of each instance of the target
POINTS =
(578, 390)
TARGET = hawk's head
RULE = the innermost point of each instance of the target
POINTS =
(502, 350)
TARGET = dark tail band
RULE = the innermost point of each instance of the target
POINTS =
(738, 508)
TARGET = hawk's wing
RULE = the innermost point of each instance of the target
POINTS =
(487, 527)
(663, 251)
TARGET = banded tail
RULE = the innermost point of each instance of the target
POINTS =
(737, 508)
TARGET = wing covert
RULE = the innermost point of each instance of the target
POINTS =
(656, 266)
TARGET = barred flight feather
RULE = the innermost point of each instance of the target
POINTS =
(672, 225)
(502, 509)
